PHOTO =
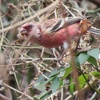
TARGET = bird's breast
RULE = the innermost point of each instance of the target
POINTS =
(53, 40)
(58, 38)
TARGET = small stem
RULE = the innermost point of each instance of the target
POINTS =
(17, 91)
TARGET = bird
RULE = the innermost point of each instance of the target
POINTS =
(55, 32)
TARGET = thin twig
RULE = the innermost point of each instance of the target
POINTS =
(4, 97)
(31, 17)
(94, 95)
(6, 85)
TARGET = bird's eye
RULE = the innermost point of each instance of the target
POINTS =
(30, 26)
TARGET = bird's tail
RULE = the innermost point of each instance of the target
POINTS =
(94, 30)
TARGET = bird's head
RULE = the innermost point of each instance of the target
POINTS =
(30, 28)
(26, 28)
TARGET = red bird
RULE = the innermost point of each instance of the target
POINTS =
(53, 33)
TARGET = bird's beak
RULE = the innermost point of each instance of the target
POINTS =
(23, 31)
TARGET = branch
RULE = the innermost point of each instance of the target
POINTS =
(31, 17)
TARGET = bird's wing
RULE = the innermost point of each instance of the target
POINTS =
(58, 24)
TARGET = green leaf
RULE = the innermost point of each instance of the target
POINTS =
(13, 1)
(56, 72)
(92, 60)
(50, 79)
(61, 74)
(4, 8)
(67, 72)
(40, 86)
(94, 53)
(55, 84)
(82, 58)
(96, 74)
(35, 98)
(82, 80)
(61, 83)
(43, 95)
(71, 86)
(53, 73)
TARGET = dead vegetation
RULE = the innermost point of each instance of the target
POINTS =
(32, 72)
